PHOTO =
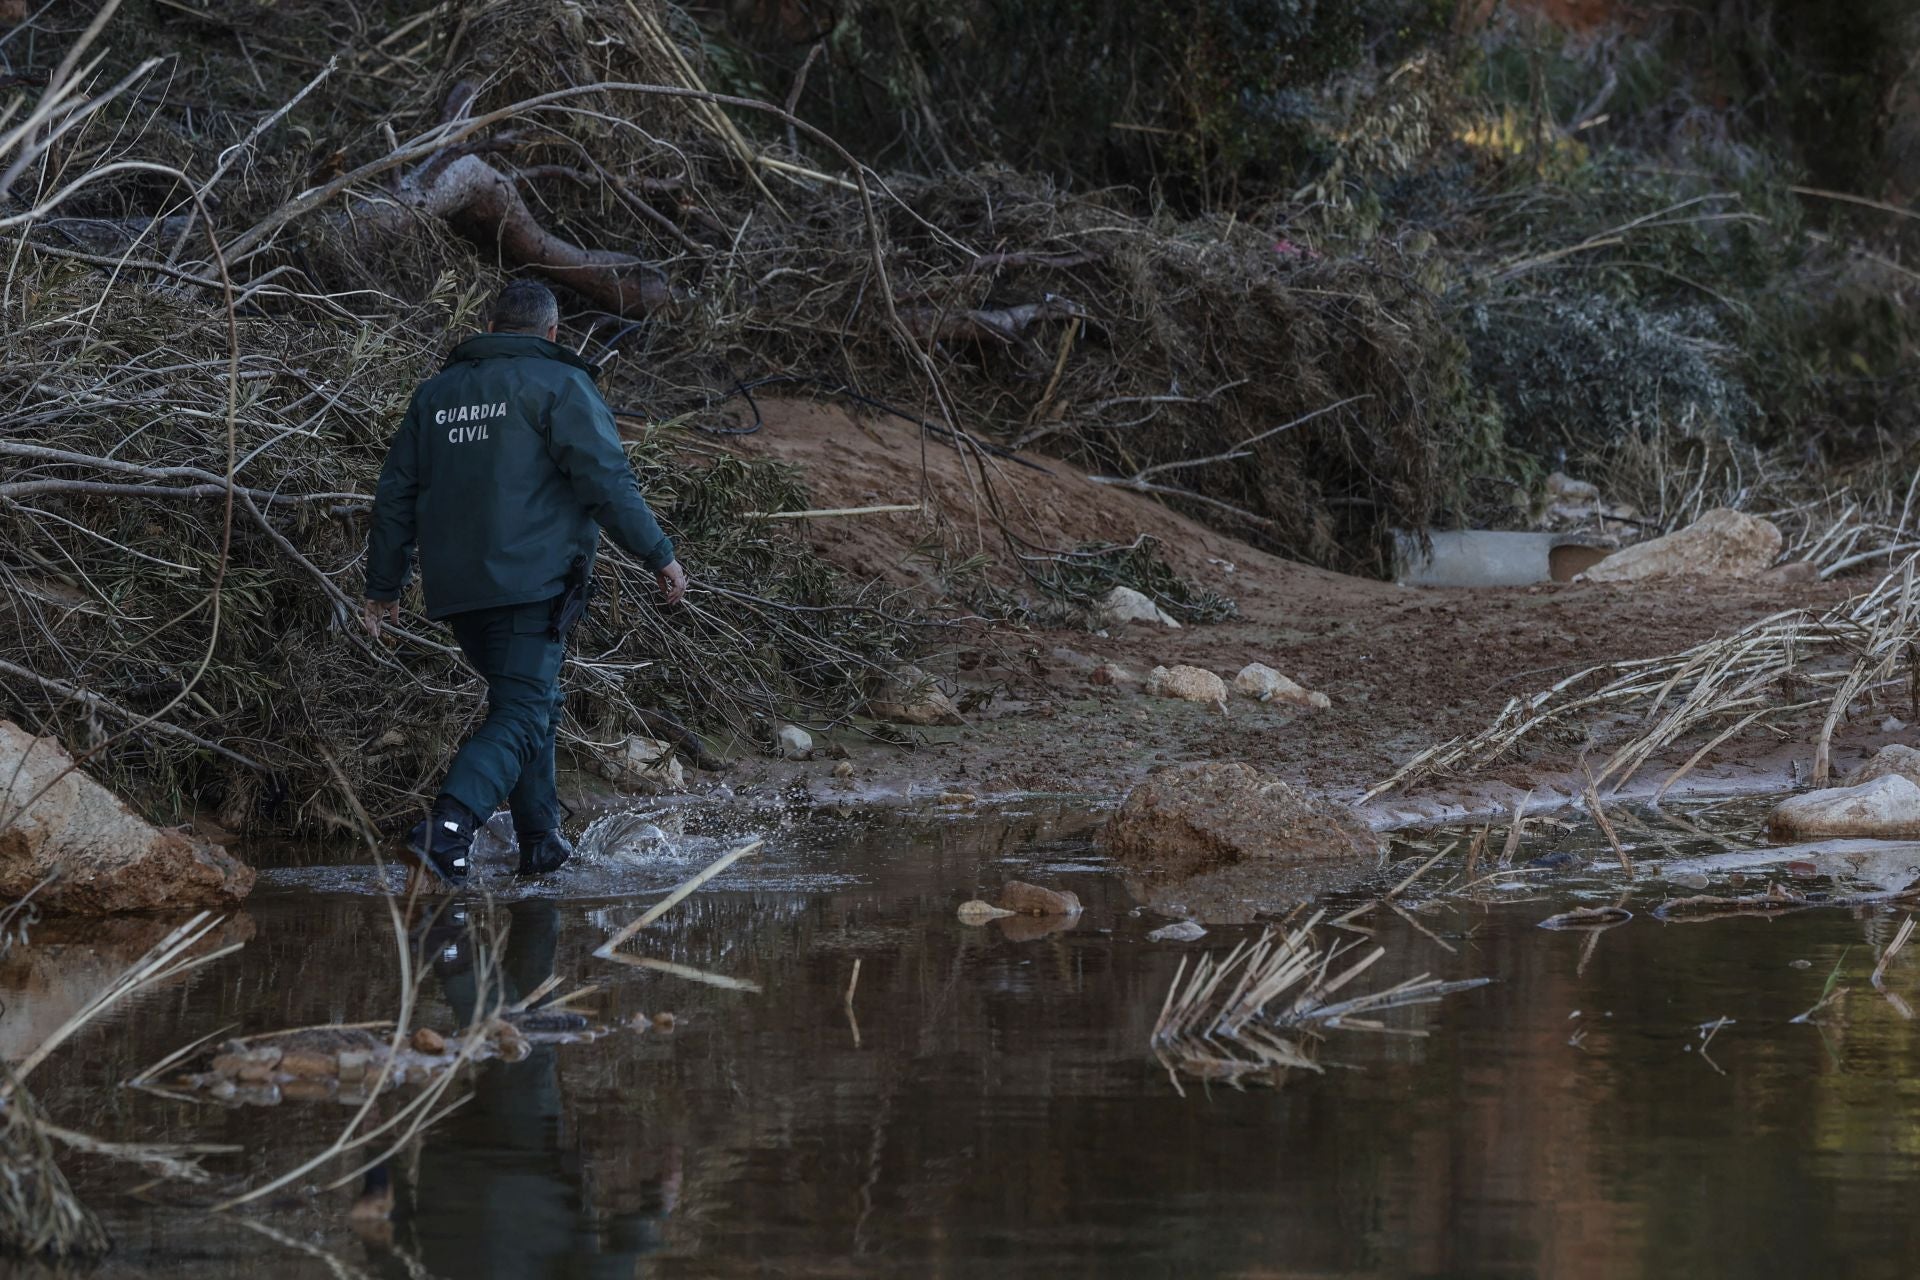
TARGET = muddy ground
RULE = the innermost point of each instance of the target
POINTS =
(1404, 667)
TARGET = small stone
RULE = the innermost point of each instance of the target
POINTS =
(1111, 673)
(427, 1040)
(958, 797)
(1692, 880)
(1892, 724)
(510, 1042)
(305, 1089)
(1257, 680)
(1894, 758)
(645, 765)
(663, 1021)
(1190, 684)
(1179, 931)
(306, 1064)
(1800, 964)
(978, 912)
(1123, 605)
(353, 1064)
(911, 697)
(843, 770)
(223, 1089)
(229, 1064)
(255, 1073)
(793, 743)
(1017, 896)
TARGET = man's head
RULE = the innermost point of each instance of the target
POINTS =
(526, 307)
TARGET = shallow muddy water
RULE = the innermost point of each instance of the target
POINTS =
(990, 1104)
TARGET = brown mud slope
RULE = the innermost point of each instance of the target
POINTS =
(1403, 667)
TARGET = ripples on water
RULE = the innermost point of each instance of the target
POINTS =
(989, 1105)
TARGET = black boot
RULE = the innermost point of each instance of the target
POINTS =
(542, 851)
(443, 842)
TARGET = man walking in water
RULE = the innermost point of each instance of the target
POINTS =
(504, 471)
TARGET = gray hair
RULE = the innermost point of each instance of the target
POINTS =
(525, 306)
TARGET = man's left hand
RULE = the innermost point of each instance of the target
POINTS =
(374, 612)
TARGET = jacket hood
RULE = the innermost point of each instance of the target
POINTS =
(499, 346)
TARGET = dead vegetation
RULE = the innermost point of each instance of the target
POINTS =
(1250, 1017)
(1793, 664)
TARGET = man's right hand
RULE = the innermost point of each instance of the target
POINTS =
(673, 583)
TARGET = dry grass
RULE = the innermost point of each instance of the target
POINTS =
(1239, 1018)
(1782, 668)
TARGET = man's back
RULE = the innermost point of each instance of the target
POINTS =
(507, 461)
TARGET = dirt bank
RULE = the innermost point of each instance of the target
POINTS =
(1403, 667)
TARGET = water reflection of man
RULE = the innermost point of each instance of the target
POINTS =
(497, 1190)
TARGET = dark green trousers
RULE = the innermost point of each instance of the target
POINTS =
(510, 756)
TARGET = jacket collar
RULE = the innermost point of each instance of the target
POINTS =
(498, 346)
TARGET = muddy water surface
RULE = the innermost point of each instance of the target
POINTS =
(989, 1105)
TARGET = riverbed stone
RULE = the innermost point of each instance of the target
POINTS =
(645, 765)
(1885, 808)
(99, 855)
(910, 696)
(427, 1040)
(1026, 899)
(792, 742)
(1189, 684)
(1721, 544)
(1258, 680)
(1893, 759)
(1191, 818)
(1123, 605)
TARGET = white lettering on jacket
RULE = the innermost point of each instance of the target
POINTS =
(463, 435)
(470, 413)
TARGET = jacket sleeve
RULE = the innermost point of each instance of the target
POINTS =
(586, 447)
(390, 541)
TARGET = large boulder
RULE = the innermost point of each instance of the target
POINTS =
(1720, 544)
(1886, 808)
(1188, 819)
(100, 856)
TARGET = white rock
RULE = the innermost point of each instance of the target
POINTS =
(1180, 931)
(1720, 544)
(1124, 604)
(644, 764)
(1191, 684)
(792, 742)
(1887, 808)
(1257, 680)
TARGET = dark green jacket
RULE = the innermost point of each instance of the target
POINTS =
(505, 469)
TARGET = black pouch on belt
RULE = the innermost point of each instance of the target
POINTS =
(578, 589)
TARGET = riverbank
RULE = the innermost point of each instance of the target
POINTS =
(1403, 668)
